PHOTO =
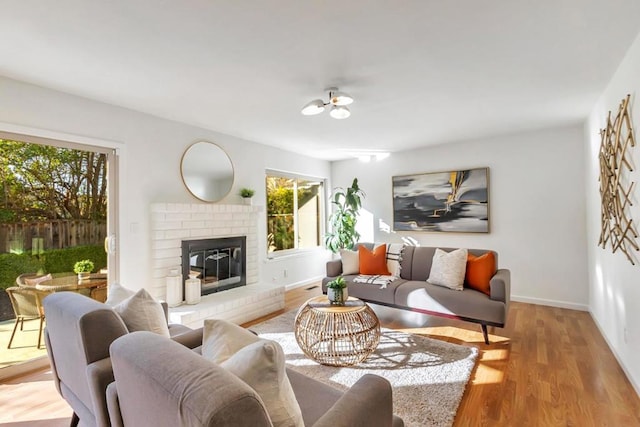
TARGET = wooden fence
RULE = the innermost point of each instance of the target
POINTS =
(35, 237)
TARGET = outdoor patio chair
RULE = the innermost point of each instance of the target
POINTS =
(99, 294)
(31, 279)
(27, 305)
(20, 280)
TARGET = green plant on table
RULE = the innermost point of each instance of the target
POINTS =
(337, 283)
(83, 266)
(337, 291)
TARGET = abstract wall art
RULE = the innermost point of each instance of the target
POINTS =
(453, 201)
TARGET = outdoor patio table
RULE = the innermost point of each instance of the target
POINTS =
(71, 283)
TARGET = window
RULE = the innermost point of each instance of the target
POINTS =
(294, 212)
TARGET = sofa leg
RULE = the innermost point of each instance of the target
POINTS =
(74, 420)
(485, 333)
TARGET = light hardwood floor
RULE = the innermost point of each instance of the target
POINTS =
(548, 367)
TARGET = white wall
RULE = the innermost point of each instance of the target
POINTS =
(536, 196)
(151, 149)
(614, 284)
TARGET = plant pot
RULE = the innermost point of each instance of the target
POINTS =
(247, 201)
(337, 296)
(83, 276)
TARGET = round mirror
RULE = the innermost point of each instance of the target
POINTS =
(207, 171)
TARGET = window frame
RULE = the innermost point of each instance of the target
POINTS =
(321, 213)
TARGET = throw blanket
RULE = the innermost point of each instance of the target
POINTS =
(383, 281)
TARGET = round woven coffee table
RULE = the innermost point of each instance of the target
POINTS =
(337, 335)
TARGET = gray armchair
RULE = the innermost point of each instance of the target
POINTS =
(78, 334)
(192, 391)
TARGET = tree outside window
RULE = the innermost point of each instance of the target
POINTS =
(294, 207)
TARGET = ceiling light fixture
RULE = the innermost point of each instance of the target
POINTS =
(337, 100)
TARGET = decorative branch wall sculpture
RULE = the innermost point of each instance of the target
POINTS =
(615, 190)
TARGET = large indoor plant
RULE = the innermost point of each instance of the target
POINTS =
(347, 202)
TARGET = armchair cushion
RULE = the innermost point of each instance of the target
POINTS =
(117, 293)
(141, 312)
(258, 362)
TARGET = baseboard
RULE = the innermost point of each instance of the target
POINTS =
(551, 303)
(302, 283)
(615, 354)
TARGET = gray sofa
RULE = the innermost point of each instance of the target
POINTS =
(80, 332)
(412, 292)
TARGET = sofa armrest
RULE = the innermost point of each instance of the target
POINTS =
(191, 338)
(334, 268)
(367, 404)
(114, 406)
(99, 376)
(500, 285)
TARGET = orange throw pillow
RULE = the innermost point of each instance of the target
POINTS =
(480, 270)
(375, 262)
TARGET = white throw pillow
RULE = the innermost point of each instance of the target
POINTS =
(350, 262)
(257, 362)
(140, 312)
(394, 256)
(448, 269)
(116, 293)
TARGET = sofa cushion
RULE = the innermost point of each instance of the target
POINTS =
(448, 268)
(368, 292)
(256, 361)
(140, 312)
(416, 260)
(468, 304)
(350, 261)
(373, 262)
(480, 270)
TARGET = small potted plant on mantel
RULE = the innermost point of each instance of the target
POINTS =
(337, 291)
(247, 194)
(83, 269)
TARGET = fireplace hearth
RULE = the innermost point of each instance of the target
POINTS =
(219, 263)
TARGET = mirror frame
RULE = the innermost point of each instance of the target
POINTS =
(191, 190)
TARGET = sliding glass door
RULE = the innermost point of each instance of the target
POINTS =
(57, 207)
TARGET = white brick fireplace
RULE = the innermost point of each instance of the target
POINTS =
(171, 223)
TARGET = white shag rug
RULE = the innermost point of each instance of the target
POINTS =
(428, 376)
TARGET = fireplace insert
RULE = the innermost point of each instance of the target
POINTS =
(219, 263)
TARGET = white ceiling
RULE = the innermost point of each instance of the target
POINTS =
(421, 71)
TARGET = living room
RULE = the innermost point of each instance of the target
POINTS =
(544, 202)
